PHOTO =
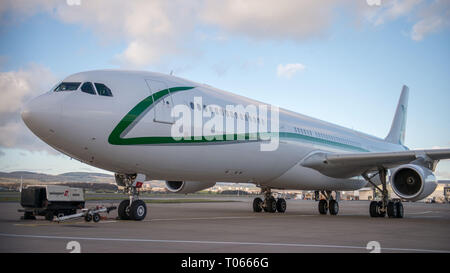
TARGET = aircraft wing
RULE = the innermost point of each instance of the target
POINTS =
(349, 165)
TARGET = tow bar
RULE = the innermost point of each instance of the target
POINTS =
(87, 214)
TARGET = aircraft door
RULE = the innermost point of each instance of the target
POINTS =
(164, 105)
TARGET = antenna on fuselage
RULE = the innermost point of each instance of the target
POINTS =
(171, 72)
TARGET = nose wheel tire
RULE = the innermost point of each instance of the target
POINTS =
(122, 210)
(138, 210)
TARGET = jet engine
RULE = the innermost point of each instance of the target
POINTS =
(187, 186)
(413, 182)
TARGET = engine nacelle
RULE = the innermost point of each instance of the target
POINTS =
(413, 182)
(187, 186)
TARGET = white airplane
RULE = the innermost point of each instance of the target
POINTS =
(122, 121)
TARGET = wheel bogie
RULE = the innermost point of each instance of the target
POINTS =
(393, 209)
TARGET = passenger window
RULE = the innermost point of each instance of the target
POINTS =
(67, 86)
(87, 87)
(192, 105)
(103, 90)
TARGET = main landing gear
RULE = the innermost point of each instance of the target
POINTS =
(328, 204)
(393, 208)
(270, 204)
(133, 208)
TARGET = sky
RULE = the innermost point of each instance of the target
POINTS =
(343, 61)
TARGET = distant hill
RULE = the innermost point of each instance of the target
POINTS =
(71, 177)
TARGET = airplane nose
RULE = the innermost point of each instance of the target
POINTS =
(41, 116)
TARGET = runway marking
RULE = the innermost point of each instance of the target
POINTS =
(215, 242)
(418, 213)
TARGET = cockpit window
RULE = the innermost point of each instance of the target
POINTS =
(103, 90)
(67, 86)
(87, 87)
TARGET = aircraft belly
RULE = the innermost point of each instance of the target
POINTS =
(302, 178)
(233, 162)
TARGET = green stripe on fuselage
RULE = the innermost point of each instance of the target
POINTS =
(116, 139)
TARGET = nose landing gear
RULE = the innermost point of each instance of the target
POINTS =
(133, 208)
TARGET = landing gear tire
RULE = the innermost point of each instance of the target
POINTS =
(271, 205)
(257, 204)
(281, 205)
(138, 210)
(334, 207)
(400, 211)
(392, 210)
(122, 210)
(323, 207)
(381, 213)
(373, 209)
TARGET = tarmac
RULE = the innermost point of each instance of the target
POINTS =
(232, 227)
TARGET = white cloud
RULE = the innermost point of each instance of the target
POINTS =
(427, 16)
(392, 10)
(288, 70)
(152, 30)
(287, 19)
(432, 19)
(16, 88)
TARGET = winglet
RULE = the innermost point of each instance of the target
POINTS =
(397, 133)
